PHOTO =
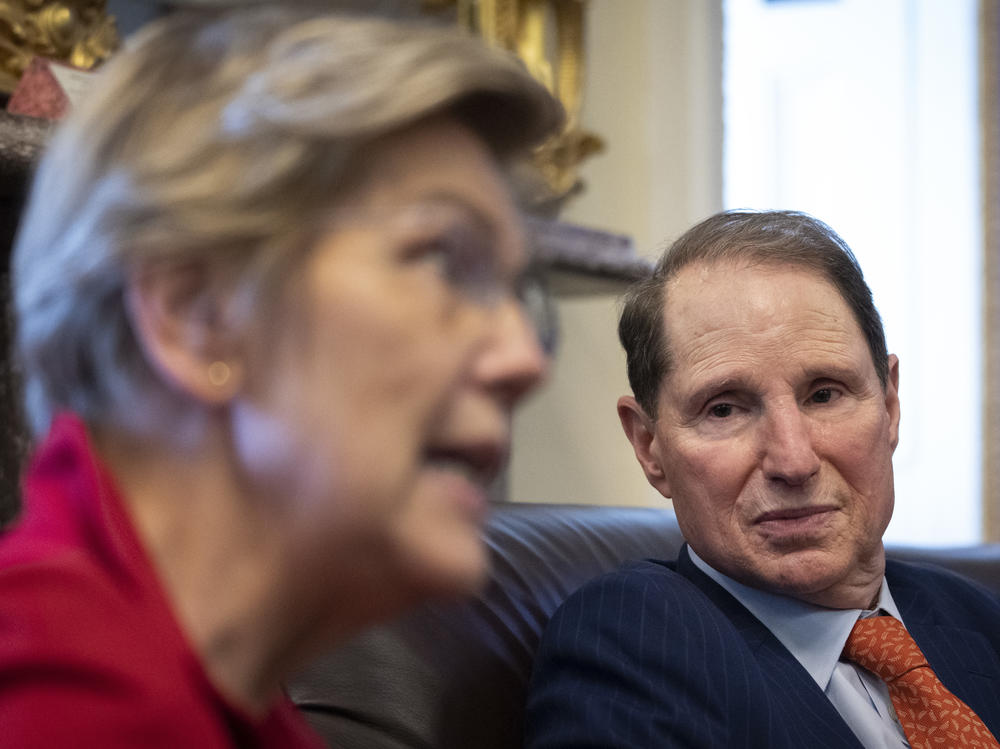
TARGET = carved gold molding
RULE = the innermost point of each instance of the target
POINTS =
(548, 35)
(79, 32)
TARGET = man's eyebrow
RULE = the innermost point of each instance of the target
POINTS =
(703, 392)
(838, 372)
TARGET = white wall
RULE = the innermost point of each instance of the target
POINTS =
(654, 95)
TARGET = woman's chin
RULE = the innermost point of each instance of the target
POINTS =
(440, 537)
(454, 567)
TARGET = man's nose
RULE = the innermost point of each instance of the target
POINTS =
(512, 363)
(788, 454)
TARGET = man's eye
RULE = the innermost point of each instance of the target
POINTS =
(823, 395)
(721, 410)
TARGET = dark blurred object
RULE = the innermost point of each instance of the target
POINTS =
(129, 15)
(456, 676)
(21, 140)
(79, 32)
(579, 260)
(48, 89)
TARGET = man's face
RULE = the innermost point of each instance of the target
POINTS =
(774, 436)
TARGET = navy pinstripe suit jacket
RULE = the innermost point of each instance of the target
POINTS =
(659, 655)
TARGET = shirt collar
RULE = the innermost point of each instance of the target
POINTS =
(814, 635)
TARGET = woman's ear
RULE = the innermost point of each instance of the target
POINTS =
(182, 321)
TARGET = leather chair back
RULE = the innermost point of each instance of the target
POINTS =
(455, 676)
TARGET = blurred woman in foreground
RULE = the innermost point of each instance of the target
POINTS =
(266, 290)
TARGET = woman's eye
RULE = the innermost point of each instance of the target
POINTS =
(442, 254)
(465, 263)
(721, 410)
(436, 254)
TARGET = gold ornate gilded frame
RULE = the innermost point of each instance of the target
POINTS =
(548, 35)
(79, 32)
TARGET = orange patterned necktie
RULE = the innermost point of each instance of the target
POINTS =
(931, 716)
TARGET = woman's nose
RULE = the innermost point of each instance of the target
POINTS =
(512, 363)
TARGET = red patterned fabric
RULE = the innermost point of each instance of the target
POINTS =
(931, 716)
(91, 653)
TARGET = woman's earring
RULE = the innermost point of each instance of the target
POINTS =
(219, 374)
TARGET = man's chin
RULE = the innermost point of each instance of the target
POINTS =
(824, 578)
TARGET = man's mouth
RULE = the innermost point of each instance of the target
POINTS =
(793, 525)
(795, 513)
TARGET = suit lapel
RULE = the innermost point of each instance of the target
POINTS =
(963, 659)
(807, 711)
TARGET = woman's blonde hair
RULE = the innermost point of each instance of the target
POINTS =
(222, 139)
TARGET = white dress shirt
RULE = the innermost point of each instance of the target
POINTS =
(815, 636)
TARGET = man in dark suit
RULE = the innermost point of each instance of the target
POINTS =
(765, 406)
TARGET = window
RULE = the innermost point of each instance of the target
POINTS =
(864, 114)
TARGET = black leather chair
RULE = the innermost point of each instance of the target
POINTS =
(454, 676)
(21, 140)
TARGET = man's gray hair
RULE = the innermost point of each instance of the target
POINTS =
(224, 139)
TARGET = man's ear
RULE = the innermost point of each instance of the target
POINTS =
(892, 399)
(180, 320)
(641, 432)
